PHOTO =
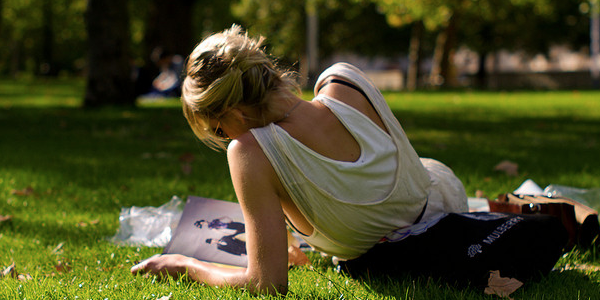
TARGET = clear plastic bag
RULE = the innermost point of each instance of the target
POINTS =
(588, 197)
(148, 226)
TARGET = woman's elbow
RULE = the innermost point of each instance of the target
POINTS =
(270, 287)
(274, 289)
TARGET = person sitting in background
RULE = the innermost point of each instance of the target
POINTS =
(167, 83)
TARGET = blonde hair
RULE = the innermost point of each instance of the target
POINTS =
(224, 70)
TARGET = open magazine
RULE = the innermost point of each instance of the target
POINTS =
(210, 230)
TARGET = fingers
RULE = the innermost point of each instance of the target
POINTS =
(141, 266)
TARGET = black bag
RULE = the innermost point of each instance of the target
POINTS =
(466, 247)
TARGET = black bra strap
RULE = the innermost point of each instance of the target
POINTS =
(422, 212)
(346, 83)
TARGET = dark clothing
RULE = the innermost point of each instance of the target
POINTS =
(466, 247)
(232, 245)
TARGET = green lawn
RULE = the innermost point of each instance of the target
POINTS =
(66, 172)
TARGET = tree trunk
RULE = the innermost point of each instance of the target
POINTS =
(481, 76)
(169, 27)
(47, 66)
(109, 75)
(595, 44)
(15, 58)
(447, 68)
(1, 8)
(414, 56)
(442, 69)
(312, 41)
(435, 76)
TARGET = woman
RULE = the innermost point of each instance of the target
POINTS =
(339, 169)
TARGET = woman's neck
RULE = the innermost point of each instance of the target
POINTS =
(281, 107)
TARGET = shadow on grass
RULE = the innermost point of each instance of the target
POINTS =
(557, 285)
(89, 164)
(112, 147)
(103, 150)
(101, 160)
(550, 150)
(65, 166)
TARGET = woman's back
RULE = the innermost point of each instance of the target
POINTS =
(320, 129)
(351, 204)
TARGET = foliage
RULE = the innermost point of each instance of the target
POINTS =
(347, 26)
(66, 172)
(23, 29)
(368, 27)
(344, 26)
(212, 16)
(529, 26)
(283, 22)
(436, 13)
(433, 13)
(491, 25)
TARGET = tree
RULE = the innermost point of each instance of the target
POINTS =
(532, 26)
(20, 23)
(47, 66)
(109, 75)
(1, 7)
(486, 25)
(430, 15)
(344, 26)
(169, 26)
(42, 37)
(281, 21)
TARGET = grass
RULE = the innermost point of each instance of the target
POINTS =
(66, 172)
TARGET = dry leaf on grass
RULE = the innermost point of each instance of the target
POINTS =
(5, 218)
(62, 267)
(24, 277)
(501, 286)
(186, 168)
(186, 160)
(24, 192)
(11, 271)
(58, 249)
(508, 167)
(85, 224)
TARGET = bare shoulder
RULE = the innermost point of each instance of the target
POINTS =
(244, 146)
(351, 97)
(249, 165)
(345, 93)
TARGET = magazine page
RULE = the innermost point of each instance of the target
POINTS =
(210, 230)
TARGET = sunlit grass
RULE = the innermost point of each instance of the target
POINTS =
(66, 172)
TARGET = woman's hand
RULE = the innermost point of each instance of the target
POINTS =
(257, 188)
(172, 265)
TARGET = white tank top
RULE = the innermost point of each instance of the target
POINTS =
(351, 205)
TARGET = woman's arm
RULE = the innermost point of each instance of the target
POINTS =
(255, 184)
